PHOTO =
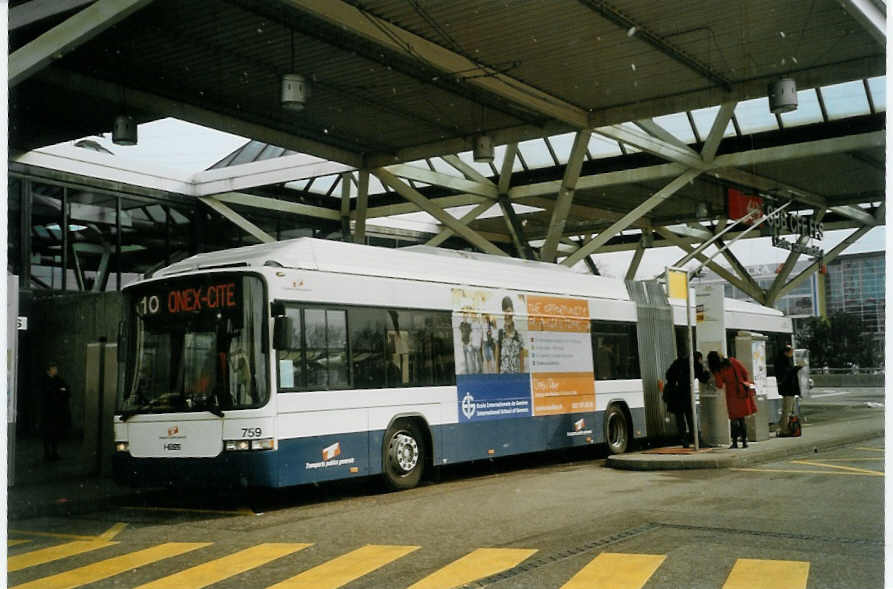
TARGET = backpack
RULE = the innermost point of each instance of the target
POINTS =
(794, 425)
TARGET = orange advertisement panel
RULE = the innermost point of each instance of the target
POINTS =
(555, 393)
(557, 314)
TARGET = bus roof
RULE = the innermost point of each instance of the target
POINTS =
(411, 263)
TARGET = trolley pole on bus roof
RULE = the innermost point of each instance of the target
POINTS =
(677, 280)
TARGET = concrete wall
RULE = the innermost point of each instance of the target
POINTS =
(59, 328)
(847, 380)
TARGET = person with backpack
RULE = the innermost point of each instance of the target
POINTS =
(732, 376)
(788, 388)
(677, 394)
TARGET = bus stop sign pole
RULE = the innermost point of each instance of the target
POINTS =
(677, 283)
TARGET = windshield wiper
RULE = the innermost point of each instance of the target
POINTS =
(209, 404)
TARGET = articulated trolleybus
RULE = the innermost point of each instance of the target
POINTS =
(310, 360)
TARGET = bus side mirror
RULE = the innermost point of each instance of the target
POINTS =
(281, 332)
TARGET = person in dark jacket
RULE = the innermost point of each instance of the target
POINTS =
(788, 387)
(679, 399)
(55, 412)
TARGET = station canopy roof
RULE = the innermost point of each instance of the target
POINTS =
(608, 118)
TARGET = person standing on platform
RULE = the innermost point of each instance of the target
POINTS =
(732, 376)
(678, 397)
(788, 387)
(55, 412)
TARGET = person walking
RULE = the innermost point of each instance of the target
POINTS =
(730, 375)
(55, 412)
(678, 394)
(788, 388)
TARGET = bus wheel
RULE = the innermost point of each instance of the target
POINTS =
(616, 430)
(403, 455)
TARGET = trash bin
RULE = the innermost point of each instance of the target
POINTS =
(758, 423)
(714, 418)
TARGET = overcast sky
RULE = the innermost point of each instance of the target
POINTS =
(191, 148)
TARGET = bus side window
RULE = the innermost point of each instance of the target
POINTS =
(325, 335)
(615, 350)
(291, 358)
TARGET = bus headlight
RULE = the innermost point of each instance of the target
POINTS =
(263, 444)
(235, 445)
(122, 446)
(256, 444)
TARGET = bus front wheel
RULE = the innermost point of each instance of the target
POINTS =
(617, 430)
(403, 455)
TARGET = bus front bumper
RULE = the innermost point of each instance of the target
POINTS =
(245, 469)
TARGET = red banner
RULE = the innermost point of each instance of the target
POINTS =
(740, 204)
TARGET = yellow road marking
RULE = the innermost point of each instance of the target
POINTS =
(52, 535)
(112, 531)
(223, 568)
(481, 563)
(113, 566)
(344, 569)
(45, 555)
(840, 467)
(767, 574)
(244, 511)
(617, 571)
(871, 449)
(15, 542)
(791, 471)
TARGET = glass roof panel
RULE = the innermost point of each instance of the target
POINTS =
(297, 184)
(482, 167)
(562, 144)
(878, 87)
(535, 153)
(499, 155)
(704, 118)
(845, 100)
(808, 110)
(322, 184)
(444, 168)
(754, 116)
(375, 187)
(601, 147)
(677, 125)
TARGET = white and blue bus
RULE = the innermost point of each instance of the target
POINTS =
(309, 360)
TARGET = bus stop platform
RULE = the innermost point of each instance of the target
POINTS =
(856, 427)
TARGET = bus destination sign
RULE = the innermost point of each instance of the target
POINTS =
(180, 299)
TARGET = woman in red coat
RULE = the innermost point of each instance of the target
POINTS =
(730, 375)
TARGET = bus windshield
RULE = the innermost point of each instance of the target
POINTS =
(196, 343)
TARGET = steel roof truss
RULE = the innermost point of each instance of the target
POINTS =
(629, 218)
(869, 16)
(467, 218)
(238, 220)
(637, 257)
(469, 172)
(711, 144)
(565, 196)
(362, 211)
(67, 35)
(435, 211)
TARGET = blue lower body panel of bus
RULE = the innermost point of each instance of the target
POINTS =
(317, 459)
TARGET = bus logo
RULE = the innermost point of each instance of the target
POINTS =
(173, 430)
(468, 406)
(332, 451)
(579, 425)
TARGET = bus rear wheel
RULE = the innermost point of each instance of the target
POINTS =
(403, 455)
(616, 430)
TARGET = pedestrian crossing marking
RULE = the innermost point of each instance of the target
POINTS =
(617, 571)
(481, 563)
(223, 568)
(15, 542)
(840, 467)
(52, 535)
(344, 569)
(112, 531)
(767, 574)
(45, 555)
(113, 566)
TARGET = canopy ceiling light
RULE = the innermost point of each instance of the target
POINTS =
(782, 96)
(483, 149)
(294, 92)
(124, 131)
